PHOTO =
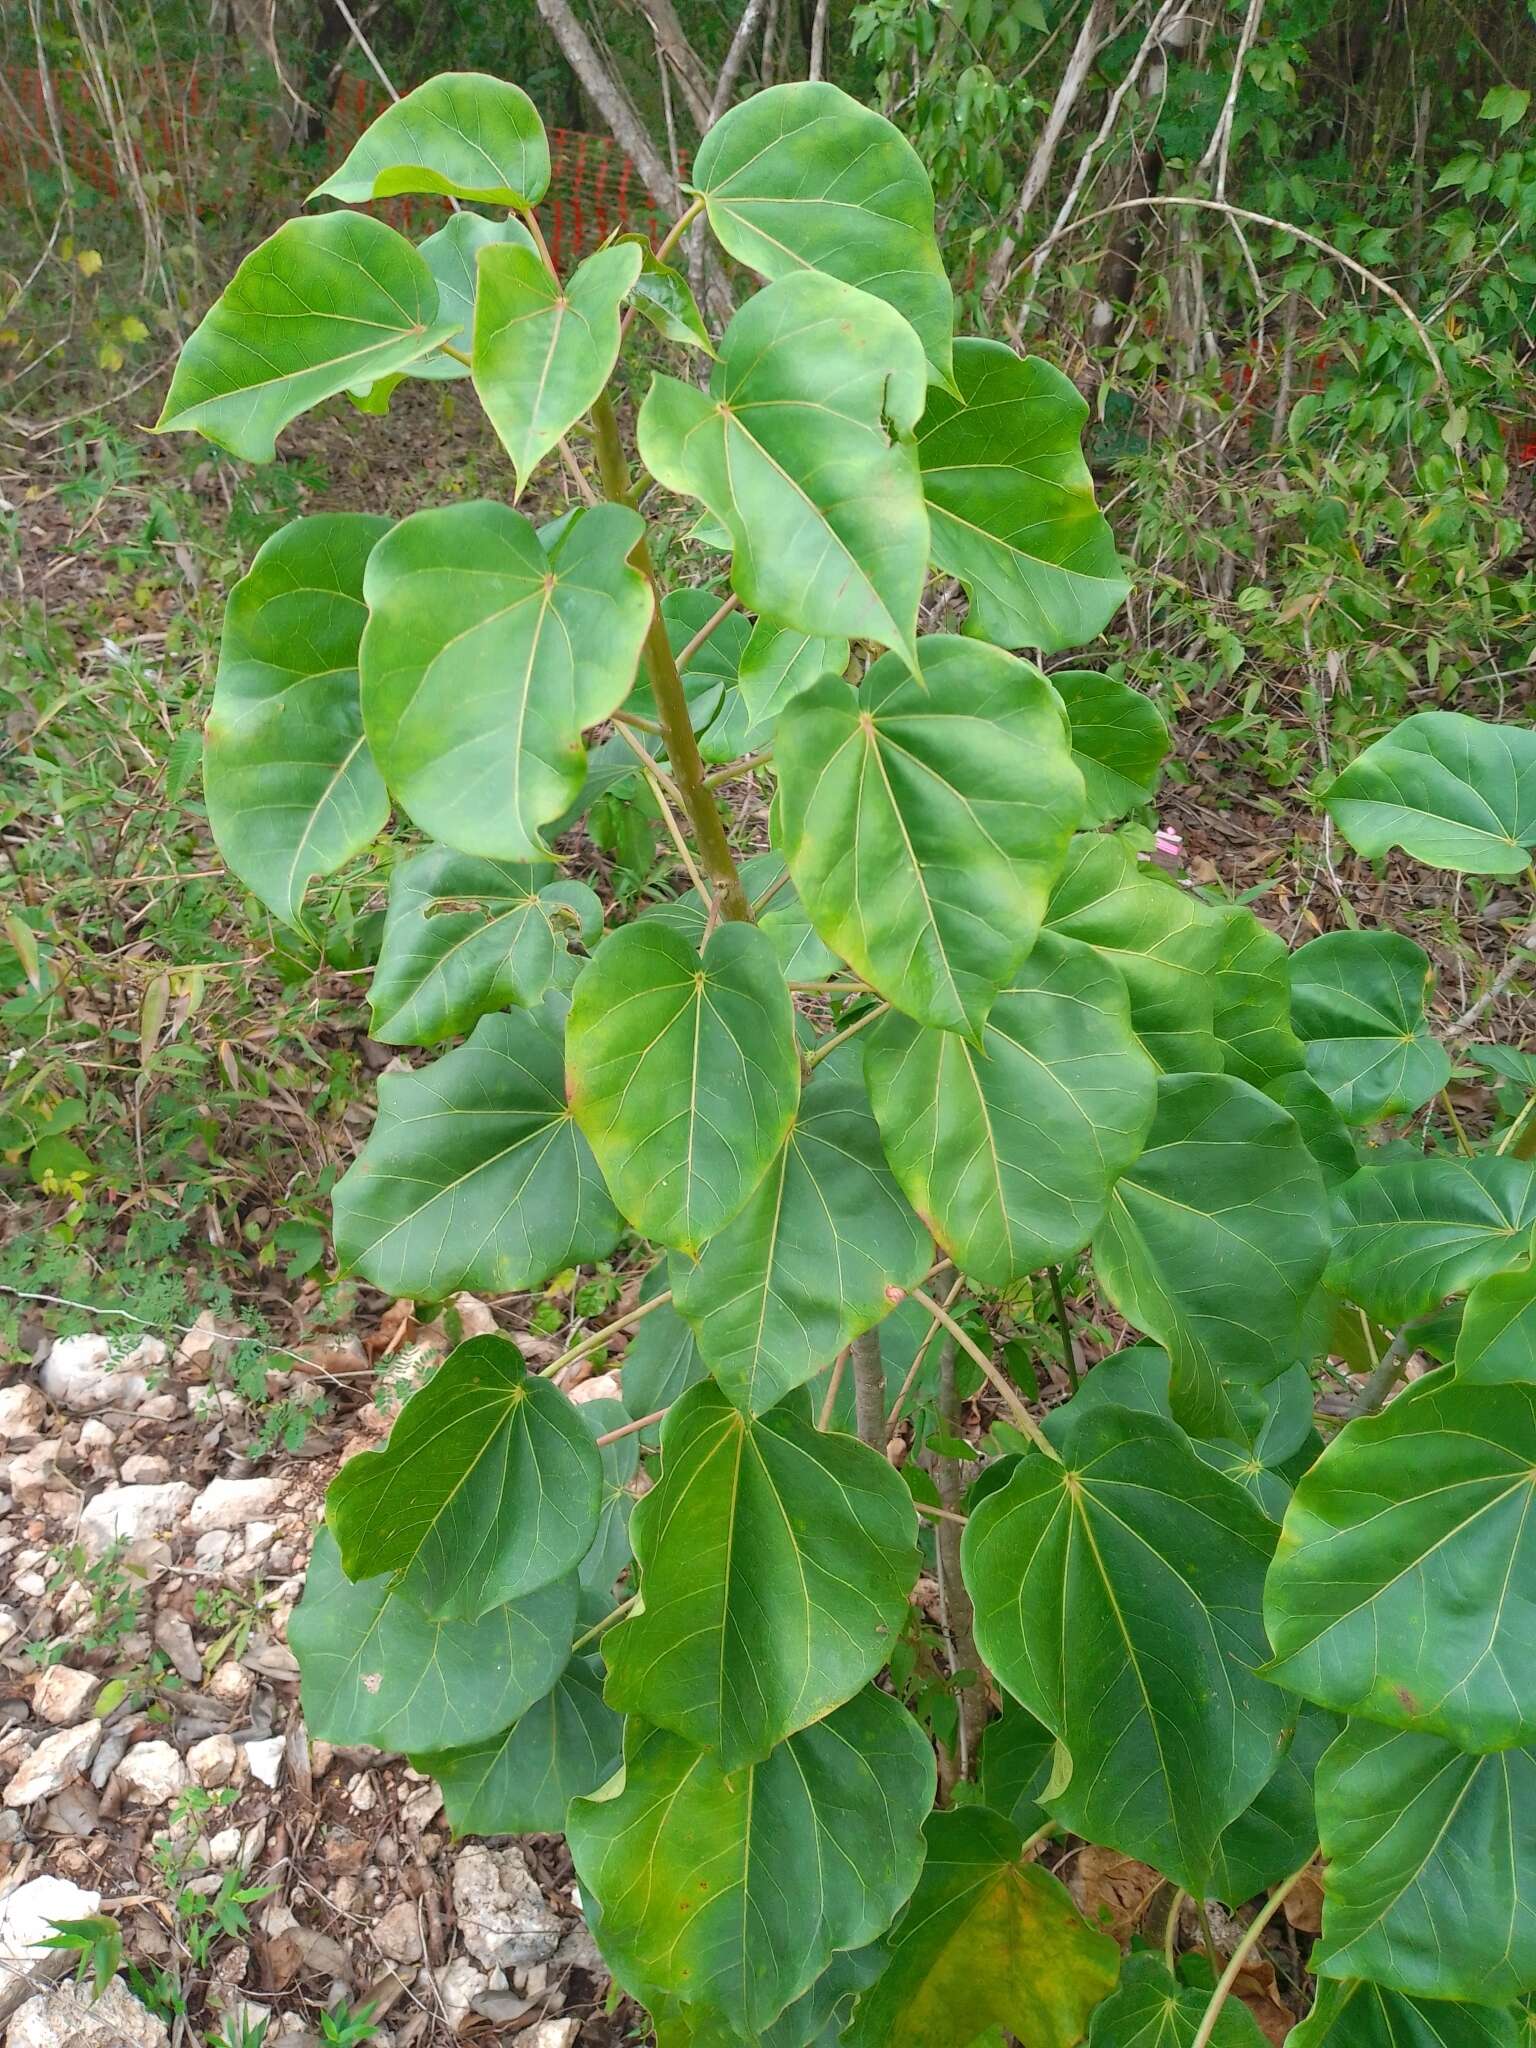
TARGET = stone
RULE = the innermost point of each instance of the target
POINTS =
(56, 1762)
(29, 1915)
(502, 1914)
(68, 2017)
(173, 1634)
(231, 1503)
(160, 1408)
(62, 1695)
(559, 2033)
(398, 1933)
(22, 1413)
(152, 1774)
(204, 1344)
(231, 1683)
(459, 1984)
(33, 1473)
(211, 1552)
(266, 1759)
(78, 1374)
(145, 1468)
(214, 1760)
(475, 1319)
(603, 1387)
(95, 1444)
(223, 1848)
(10, 1625)
(578, 1951)
(122, 1514)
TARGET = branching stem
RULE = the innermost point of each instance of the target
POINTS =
(1244, 1949)
(1012, 1399)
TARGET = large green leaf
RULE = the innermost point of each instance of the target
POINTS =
(1147, 2009)
(1412, 1231)
(486, 1490)
(1321, 1126)
(1279, 1831)
(485, 656)
(465, 936)
(1361, 2015)
(1166, 943)
(1251, 1002)
(714, 1040)
(321, 306)
(988, 1940)
(452, 255)
(1357, 998)
(1405, 1583)
(1431, 1865)
(797, 452)
(1497, 1339)
(823, 1247)
(803, 177)
(734, 1889)
(475, 1174)
(1011, 502)
(924, 819)
(1009, 1150)
(544, 350)
(778, 663)
(521, 1781)
(1215, 1241)
(462, 134)
(1450, 790)
(291, 786)
(376, 1669)
(802, 955)
(1117, 1598)
(775, 1562)
(1119, 738)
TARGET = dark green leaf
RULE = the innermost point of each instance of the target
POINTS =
(1358, 998)
(1251, 1002)
(1018, 1755)
(924, 821)
(666, 299)
(715, 1039)
(521, 1781)
(1147, 2009)
(463, 134)
(1361, 2015)
(775, 1562)
(610, 1551)
(475, 1174)
(1497, 1340)
(1414, 1230)
(1119, 738)
(291, 786)
(1279, 1831)
(1011, 502)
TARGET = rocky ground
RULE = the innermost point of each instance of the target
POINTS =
(155, 1771)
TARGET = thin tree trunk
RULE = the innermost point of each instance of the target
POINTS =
(869, 1390)
(972, 1703)
(681, 56)
(735, 57)
(611, 101)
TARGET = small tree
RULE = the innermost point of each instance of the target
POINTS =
(945, 1037)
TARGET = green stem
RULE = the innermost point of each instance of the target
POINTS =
(458, 354)
(1244, 1949)
(1394, 1363)
(667, 688)
(813, 1059)
(607, 1622)
(1011, 1396)
(678, 229)
(1068, 1349)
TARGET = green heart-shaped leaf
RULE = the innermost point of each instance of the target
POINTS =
(462, 134)
(1321, 1126)
(1166, 943)
(1018, 1755)
(734, 1889)
(1497, 1339)
(665, 298)
(522, 1781)
(1431, 1861)
(1011, 502)
(322, 306)
(1279, 1831)
(716, 1041)
(802, 176)
(988, 1940)
(475, 1174)
(1215, 1241)
(1360, 2015)
(924, 821)
(486, 1490)
(1412, 1231)
(1009, 1150)
(465, 936)
(1251, 1002)
(1357, 998)
(1147, 2009)
(775, 1562)
(1450, 790)
(799, 439)
(778, 663)
(1405, 1583)
(1119, 739)
(1117, 1598)
(822, 1249)
(376, 1669)
(291, 786)
(485, 656)
(452, 255)
(544, 350)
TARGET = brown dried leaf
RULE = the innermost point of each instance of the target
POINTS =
(1112, 1891)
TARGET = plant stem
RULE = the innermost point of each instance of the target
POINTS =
(1241, 1953)
(839, 1367)
(869, 1390)
(1171, 1930)
(596, 1339)
(1011, 1396)
(458, 354)
(819, 1053)
(705, 632)
(629, 1428)
(1068, 1348)
(1393, 1364)
(667, 689)
(678, 229)
(1515, 1129)
(607, 1622)
(1462, 1143)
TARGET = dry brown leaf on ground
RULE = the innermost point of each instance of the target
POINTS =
(1112, 1891)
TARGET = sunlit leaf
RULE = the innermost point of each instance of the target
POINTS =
(1357, 999)
(1412, 1231)
(775, 1562)
(778, 663)
(291, 786)
(1119, 739)
(1251, 1002)
(462, 134)
(1450, 790)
